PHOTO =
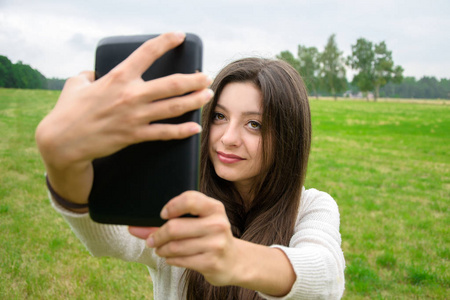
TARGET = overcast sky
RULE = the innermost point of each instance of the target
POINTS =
(59, 37)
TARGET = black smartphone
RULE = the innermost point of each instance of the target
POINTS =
(132, 186)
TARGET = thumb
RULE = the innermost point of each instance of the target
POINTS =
(142, 232)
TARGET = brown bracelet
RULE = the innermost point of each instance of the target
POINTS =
(63, 202)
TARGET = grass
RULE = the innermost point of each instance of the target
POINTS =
(40, 258)
(388, 167)
(387, 164)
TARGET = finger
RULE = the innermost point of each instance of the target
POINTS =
(165, 132)
(179, 229)
(194, 203)
(174, 85)
(143, 57)
(185, 247)
(214, 270)
(200, 262)
(142, 232)
(175, 107)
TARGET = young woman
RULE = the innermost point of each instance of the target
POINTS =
(259, 233)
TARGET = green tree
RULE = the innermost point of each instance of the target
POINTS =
(362, 59)
(23, 76)
(374, 65)
(384, 68)
(306, 64)
(55, 83)
(6, 75)
(309, 66)
(288, 57)
(332, 70)
(425, 88)
(26, 77)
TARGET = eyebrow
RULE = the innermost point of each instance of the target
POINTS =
(246, 113)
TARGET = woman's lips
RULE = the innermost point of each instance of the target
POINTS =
(228, 158)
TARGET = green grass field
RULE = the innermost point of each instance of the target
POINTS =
(386, 164)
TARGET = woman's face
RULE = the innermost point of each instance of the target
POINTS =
(235, 142)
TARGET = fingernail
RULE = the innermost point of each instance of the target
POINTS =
(208, 94)
(196, 128)
(150, 242)
(164, 213)
(180, 35)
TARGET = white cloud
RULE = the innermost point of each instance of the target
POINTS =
(59, 37)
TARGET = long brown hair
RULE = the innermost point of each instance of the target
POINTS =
(286, 140)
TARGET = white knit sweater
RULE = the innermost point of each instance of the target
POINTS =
(314, 250)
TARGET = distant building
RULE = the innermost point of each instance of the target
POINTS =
(359, 95)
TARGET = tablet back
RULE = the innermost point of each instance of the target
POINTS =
(132, 186)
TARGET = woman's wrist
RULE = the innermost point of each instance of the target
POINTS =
(72, 206)
(243, 271)
(71, 186)
(263, 269)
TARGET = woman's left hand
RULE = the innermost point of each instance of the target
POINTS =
(204, 244)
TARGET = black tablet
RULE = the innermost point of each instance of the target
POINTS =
(132, 186)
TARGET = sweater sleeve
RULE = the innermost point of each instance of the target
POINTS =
(107, 240)
(315, 250)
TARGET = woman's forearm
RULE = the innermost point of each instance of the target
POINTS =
(264, 269)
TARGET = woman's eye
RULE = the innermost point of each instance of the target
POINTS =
(218, 117)
(254, 125)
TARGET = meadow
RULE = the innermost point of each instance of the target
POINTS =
(387, 164)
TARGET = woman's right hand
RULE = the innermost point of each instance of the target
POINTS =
(93, 119)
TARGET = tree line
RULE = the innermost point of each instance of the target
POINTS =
(324, 73)
(424, 88)
(23, 76)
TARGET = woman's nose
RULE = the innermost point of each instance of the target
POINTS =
(231, 136)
